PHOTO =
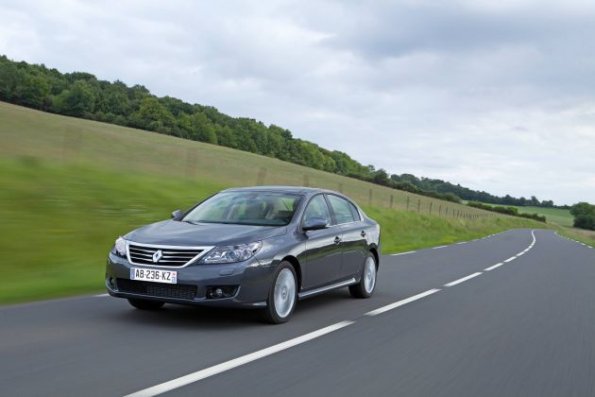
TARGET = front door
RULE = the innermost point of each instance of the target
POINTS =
(321, 260)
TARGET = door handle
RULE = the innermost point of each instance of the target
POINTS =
(363, 233)
(337, 240)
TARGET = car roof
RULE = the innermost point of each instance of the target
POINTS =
(278, 188)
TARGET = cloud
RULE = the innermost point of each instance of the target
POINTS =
(493, 95)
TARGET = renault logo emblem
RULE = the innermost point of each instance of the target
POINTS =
(157, 256)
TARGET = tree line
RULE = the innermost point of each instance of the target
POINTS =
(507, 210)
(82, 95)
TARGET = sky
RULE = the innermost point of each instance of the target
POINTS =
(495, 95)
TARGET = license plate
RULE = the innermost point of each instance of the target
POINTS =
(154, 275)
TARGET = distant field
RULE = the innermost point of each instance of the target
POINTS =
(71, 186)
(554, 215)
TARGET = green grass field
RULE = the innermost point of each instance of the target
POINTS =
(558, 216)
(70, 187)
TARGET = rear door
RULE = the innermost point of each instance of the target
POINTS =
(321, 260)
(354, 244)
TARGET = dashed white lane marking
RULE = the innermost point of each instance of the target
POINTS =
(510, 259)
(403, 253)
(497, 265)
(462, 280)
(236, 362)
(440, 246)
(401, 302)
(462, 242)
(101, 295)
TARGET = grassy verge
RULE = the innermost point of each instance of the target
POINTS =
(585, 236)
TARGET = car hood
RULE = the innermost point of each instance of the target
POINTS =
(187, 234)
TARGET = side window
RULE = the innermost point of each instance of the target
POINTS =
(344, 211)
(355, 212)
(317, 208)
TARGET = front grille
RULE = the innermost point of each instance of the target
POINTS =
(142, 255)
(175, 291)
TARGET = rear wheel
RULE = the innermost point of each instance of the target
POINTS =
(144, 304)
(282, 296)
(367, 284)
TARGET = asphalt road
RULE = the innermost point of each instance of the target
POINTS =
(440, 324)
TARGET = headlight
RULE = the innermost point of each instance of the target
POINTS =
(232, 254)
(120, 247)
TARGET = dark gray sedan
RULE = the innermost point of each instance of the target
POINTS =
(259, 247)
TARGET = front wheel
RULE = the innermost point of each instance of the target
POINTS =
(144, 304)
(282, 296)
(367, 283)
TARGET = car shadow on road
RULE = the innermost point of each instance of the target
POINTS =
(182, 316)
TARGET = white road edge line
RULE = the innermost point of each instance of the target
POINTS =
(510, 259)
(462, 280)
(236, 362)
(403, 253)
(440, 246)
(101, 295)
(402, 302)
(497, 265)
(462, 242)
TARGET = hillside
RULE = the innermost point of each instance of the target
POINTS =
(71, 186)
(85, 96)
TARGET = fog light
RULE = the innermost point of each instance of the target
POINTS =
(219, 292)
(111, 283)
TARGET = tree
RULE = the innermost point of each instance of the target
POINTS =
(584, 215)
(79, 100)
(380, 177)
(154, 116)
(9, 77)
(33, 90)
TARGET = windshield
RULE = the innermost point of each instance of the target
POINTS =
(246, 208)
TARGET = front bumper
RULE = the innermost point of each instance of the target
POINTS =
(250, 281)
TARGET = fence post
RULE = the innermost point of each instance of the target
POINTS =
(391, 201)
(306, 180)
(191, 159)
(446, 211)
(340, 187)
(262, 174)
(431, 203)
(418, 205)
(73, 141)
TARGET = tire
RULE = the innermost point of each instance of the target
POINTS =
(144, 304)
(367, 284)
(282, 297)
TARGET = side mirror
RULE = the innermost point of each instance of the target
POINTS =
(177, 215)
(314, 224)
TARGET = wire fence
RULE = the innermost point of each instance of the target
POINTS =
(366, 193)
(133, 151)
